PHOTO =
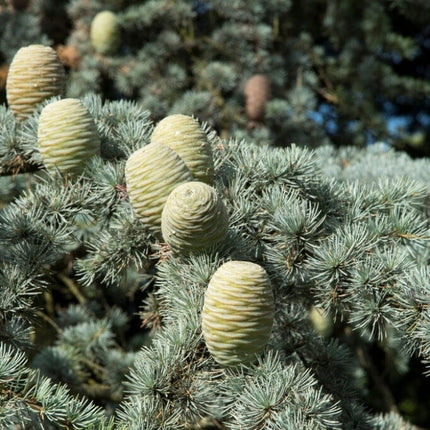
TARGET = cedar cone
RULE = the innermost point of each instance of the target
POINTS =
(194, 218)
(238, 312)
(183, 134)
(105, 33)
(69, 55)
(257, 93)
(67, 137)
(151, 174)
(35, 74)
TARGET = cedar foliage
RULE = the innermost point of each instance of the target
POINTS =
(100, 323)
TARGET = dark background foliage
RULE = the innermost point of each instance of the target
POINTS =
(341, 71)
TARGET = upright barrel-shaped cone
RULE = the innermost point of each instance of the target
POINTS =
(193, 218)
(105, 33)
(67, 137)
(257, 94)
(35, 75)
(151, 173)
(237, 314)
(183, 134)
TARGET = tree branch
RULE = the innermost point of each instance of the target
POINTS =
(18, 165)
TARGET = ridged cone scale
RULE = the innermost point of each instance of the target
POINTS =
(238, 313)
(183, 134)
(151, 173)
(67, 136)
(35, 74)
(193, 218)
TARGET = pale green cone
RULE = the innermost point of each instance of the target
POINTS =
(151, 173)
(184, 135)
(193, 218)
(67, 137)
(323, 324)
(238, 313)
(35, 75)
(105, 33)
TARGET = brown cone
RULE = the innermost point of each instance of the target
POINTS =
(257, 93)
(69, 55)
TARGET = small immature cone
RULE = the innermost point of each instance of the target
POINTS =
(35, 74)
(193, 218)
(257, 94)
(238, 313)
(183, 134)
(151, 174)
(321, 323)
(105, 33)
(67, 137)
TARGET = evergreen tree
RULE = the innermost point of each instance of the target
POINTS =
(105, 315)
(333, 230)
(337, 70)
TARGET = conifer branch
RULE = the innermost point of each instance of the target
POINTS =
(329, 222)
(368, 364)
(18, 166)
